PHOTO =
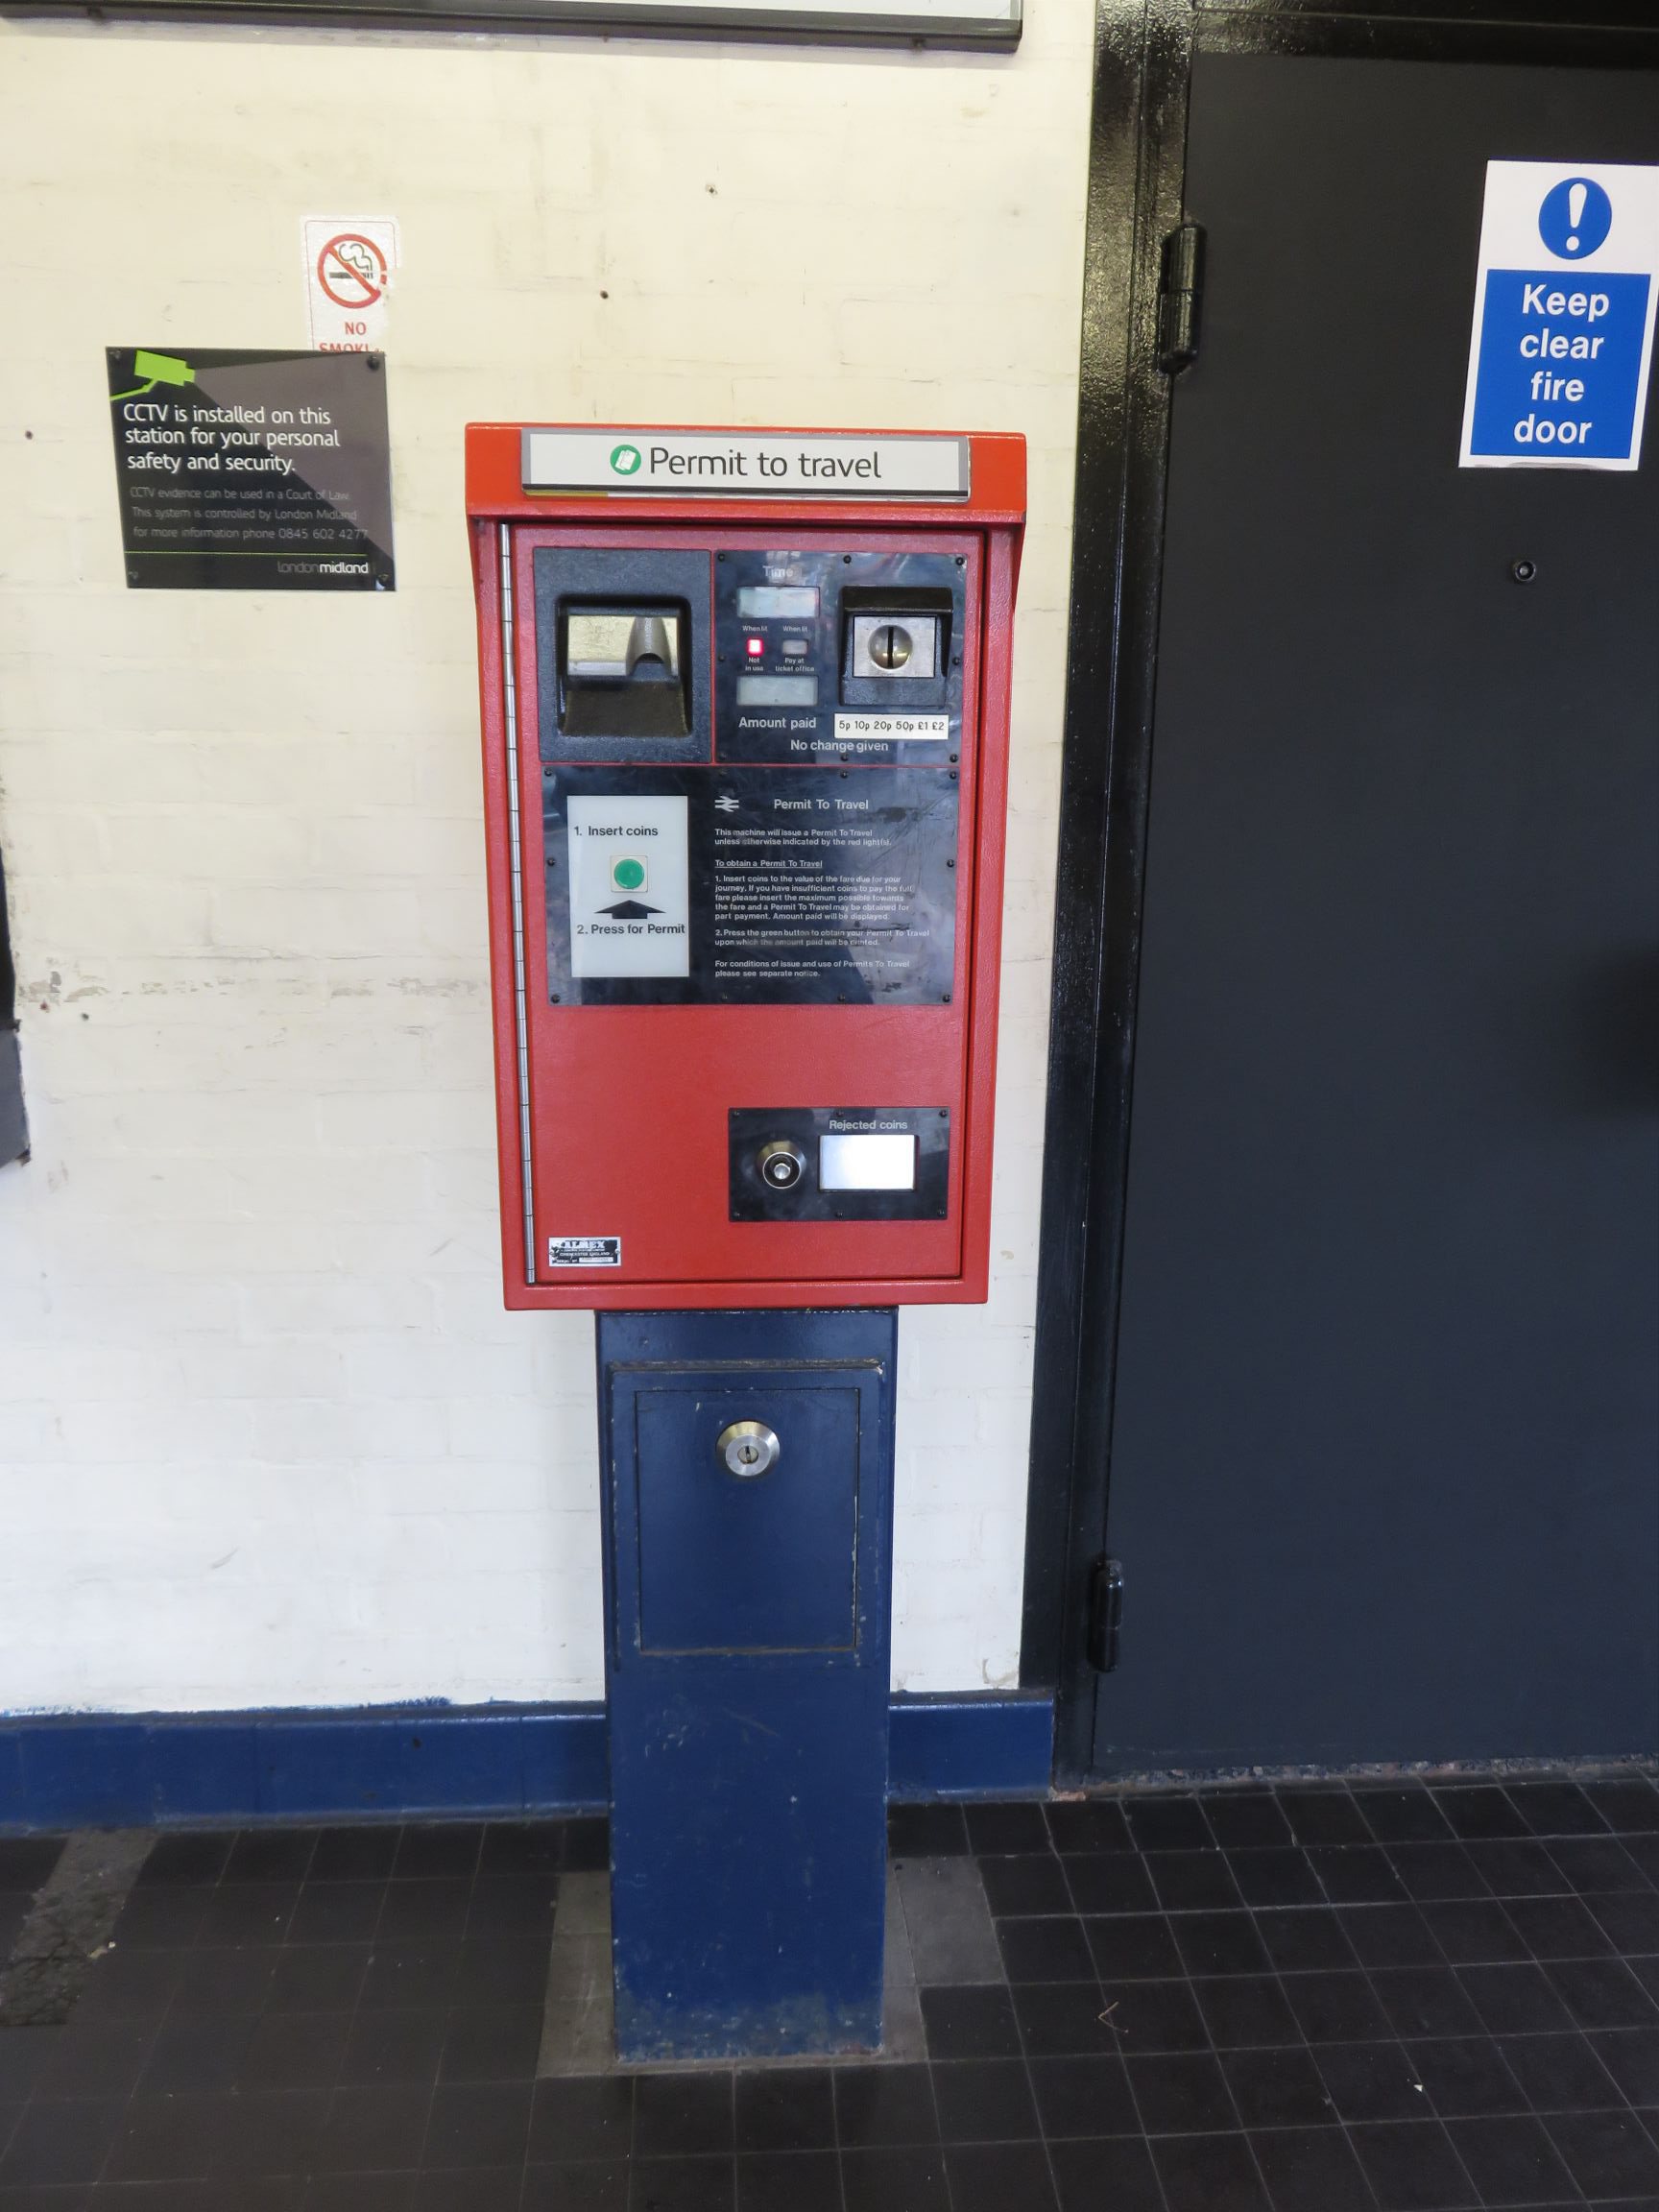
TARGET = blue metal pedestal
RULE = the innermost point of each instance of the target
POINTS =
(747, 1622)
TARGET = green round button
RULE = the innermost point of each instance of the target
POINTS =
(628, 875)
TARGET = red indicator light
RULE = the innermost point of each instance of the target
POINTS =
(754, 647)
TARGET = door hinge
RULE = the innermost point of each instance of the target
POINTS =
(1180, 292)
(1105, 1614)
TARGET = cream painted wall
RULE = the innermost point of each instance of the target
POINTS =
(266, 1435)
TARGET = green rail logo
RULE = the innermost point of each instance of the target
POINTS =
(625, 460)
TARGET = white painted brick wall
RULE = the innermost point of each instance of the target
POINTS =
(266, 1436)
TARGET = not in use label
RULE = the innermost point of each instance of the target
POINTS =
(584, 1251)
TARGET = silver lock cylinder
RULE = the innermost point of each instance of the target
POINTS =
(747, 1448)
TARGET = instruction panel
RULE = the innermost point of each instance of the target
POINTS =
(252, 471)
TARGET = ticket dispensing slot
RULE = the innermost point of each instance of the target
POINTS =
(622, 669)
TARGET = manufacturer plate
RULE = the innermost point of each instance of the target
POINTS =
(584, 1251)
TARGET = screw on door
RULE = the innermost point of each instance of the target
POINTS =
(747, 1448)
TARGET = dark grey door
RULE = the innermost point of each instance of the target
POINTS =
(1385, 1457)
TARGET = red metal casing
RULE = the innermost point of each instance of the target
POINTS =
(627, 1104)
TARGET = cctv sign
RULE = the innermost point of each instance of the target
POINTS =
(1564, 309)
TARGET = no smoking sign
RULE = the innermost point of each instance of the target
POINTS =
(350, 261)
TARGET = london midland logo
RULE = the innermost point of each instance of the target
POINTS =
(624, 460)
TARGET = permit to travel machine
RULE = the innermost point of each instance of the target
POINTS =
(745, 715)
(745, 702)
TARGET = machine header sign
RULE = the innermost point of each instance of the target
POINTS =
(699, 463)
(1564, 305)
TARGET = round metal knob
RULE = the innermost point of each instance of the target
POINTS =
(747, 1448)
(781, 1164)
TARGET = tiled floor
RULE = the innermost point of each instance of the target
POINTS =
(1384, 1999)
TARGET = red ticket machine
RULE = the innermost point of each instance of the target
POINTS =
(745, 705)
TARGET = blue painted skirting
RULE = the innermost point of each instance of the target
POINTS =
(393, 1762)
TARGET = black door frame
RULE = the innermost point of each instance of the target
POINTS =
(1144, 53)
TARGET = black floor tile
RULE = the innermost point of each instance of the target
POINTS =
(1424, 2001)
(1335, 2007)
(294, 2051)
(194, 1859)
(1631, 2056)
(1155, 2016)
(524, 1847)
(1220, 1944)
(1607, 2154)
(926, 1831)
(1246, 2009)
(403, 1975)
(363, 1853)
(94, 2054)
(438, 1850)
(1209, 2174)
(999, 2175)
(164, 2139)
(1559, 2073)
(1311, 2170)
(582, 2119)
(226, 1981)
(128, 1983)
(1169, 1824)
(1628, 1807)
(884, 2107)
(1083, 2097)
(791, 2109)
(1432, 1872)
(1278, 2088)
(1278, 1875)
(597, 2185)
(1512, 1868)
(1371, 2081)
(1390, 1936)
(1480, 1810)
(1559, 1928)
(1588, 1863)
(511, 1905)
(488, 2124)
(238, 1914)
(1476, 1932)
(1304, 1940)
(1052, 1950)
(1555, 1809)
(1511, 2160)
(1180, 2094)
(1110, 1882)
(1323, 1816)
(1629, 1919)
(894, 2180)
(336, 1913)
(161, 1919)
(1602, 1993)
(271, 1855)
(503, 1971)
(197, 2051)
(1024, 1883)
(1464, 2078)
(587, 1845)
(372, 2131)
(975, 2020)
(1514, 2000)
(1356, 1874)
(311, 1977)
(1116, 2176)
(492, 2043)
(1062, 2019)
(402, 2048)
(1406, 1815)
(1412, 2167)
(1095, 1826)
(1192, 1880)
(365, 2193)
(1000, 1827)
(24, 2054)
(984, 2101)
(1133, 1947)
(1247, 1819)
(26, 1862)
(417, 1910)
(484, 2189)
(268, 2131)
(789, 2181)
(678, 2114)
